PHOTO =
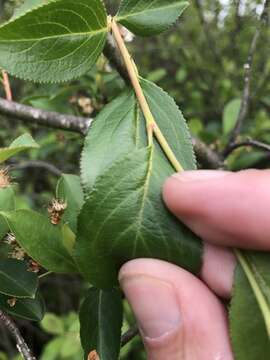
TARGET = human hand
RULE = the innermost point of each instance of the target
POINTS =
(181, 317)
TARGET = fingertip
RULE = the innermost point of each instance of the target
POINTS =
(218, 269)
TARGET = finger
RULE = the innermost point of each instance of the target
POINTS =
(218, 269)
(224, 208)
(178, 316)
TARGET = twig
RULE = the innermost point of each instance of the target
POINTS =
(112, 55)
(248, 67)
(209, 158)
(6, 85)
(248, 142)
(20, 342)
(129, 335)
(45, 118)
(36, 164)
(207, 33)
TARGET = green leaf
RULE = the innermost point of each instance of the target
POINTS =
(250, 308)
(171, 122)
(122, 119)
(118, 120)
(230, 115)
(28, 309)
(124, 216)
(148, 17)
(55, 42)
(16, 280)
(101, 317)
(7, 203)
(69, 190)
(22, 143)
(52, 324)
(41, 240)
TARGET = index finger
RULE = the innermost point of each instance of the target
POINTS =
(224, 208)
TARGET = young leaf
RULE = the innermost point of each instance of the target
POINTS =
(7, 203)
(16, 280)
(148, 17)
(101, 317)
(124, 218)
(230, 115)
(122, 119)
(28, 309)
(52, 324)
(69, 190)
(41, 240)
(22, 143)
(55, 42)
(250, 308)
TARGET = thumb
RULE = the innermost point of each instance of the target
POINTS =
(178, 316)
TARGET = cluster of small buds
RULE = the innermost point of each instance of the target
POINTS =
(5, 179)
(56, 210)
(12, 302)
(10, 239)
(19, 254)
(16, 251)
(33, 266)
(86, 105)
(93, 355)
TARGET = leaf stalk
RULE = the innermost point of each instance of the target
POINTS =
(151, 125)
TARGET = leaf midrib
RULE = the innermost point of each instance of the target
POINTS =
(124, 17)
(14, 282)
(87, 33)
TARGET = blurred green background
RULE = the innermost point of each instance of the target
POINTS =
(200, 62)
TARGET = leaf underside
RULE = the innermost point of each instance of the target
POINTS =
(124, 216)
(150, 17)
(55, 42)
(22, 143)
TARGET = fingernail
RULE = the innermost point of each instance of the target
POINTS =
(200, 175)
(154, 304)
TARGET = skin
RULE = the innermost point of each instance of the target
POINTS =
(180, 316)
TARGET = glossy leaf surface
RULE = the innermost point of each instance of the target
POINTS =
(41, 240)
(150, 17)
(22, 143)
(16, 280)
(101, 316)
(28, 309)
(249, 321)
(55, 42)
